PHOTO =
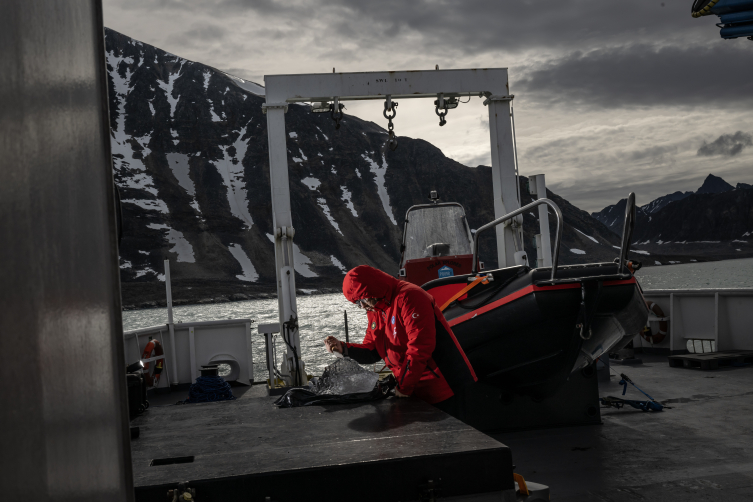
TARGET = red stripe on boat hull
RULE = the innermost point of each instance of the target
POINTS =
(526, 291)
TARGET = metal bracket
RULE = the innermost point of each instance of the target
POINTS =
(498, 98)
(265, 106)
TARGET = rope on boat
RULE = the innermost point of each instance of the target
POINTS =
(209, 388)
(704, 11)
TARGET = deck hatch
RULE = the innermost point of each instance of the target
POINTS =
(171, 460)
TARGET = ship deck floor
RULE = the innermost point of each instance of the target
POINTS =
(701, 449)
(248, 449)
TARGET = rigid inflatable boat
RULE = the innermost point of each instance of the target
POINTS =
(525, 330)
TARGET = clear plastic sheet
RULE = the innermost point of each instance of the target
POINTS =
(344, 376)
(343, 382)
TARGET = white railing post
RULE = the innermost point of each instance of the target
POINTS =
(537, 187)
(716, 321)
(170, 327)
(249, 353)
(192, 353)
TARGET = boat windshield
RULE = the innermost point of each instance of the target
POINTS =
(436, 231)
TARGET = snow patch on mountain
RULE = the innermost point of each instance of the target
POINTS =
(130, 171)
(249, 272)
(181, 246)
(325, 209)
(300, 260)
(379, 172)
(247, 85)
(311, 182)
(338, 264)
(348, 202)
(587, 236)
(233, 175)
(178, 163)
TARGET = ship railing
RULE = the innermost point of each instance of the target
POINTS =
(513, 214)
(719, 315)
(197, 343)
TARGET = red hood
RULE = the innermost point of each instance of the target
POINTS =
(368, 282)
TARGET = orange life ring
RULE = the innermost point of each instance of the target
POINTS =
(152, 379)
(647, 334)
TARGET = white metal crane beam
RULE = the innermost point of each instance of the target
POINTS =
(377, 85)
(283, 89)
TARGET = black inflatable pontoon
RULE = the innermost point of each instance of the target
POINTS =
(526, 330)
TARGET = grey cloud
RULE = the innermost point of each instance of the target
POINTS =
(462, 28)
(482, 159)
(199, 33)
(642, 76)
(727, 145)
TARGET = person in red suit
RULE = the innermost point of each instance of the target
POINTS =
(408, 332)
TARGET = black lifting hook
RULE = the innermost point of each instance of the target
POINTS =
(390, 105)
(337, 116)
(441, 115)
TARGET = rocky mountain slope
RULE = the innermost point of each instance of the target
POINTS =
(714, 222)
(189, 148)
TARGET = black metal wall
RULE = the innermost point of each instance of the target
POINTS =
(63, 416)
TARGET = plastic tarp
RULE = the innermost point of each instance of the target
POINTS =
(342, 382)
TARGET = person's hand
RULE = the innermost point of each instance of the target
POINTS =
(400, 394)
(333, 344)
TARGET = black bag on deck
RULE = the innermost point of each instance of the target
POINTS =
(137, 402)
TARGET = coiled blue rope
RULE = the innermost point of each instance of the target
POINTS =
(209, 388)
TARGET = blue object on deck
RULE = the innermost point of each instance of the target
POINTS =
(736, 16)
(618, 403)
(209, 388)
(650, 405)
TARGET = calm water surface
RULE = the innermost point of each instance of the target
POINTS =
(714, 274)
(322, 315)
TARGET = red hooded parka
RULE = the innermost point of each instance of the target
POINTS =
(408, 331)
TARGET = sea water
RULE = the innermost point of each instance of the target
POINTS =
(319, 316)
(712, 274)
(322, 315)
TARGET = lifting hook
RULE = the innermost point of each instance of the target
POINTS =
(336, 110)
(390, 105)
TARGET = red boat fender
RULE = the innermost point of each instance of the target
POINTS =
(152, 378)
(647, 334)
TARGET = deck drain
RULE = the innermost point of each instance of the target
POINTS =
(171, 460)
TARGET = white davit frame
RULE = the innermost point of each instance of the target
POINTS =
(282, 90)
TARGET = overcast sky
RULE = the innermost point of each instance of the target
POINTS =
(609, 96)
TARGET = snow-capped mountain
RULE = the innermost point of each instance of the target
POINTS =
(715, 221)
(190, 156)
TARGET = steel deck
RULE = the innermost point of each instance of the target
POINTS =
(700, 450)
(248, 450)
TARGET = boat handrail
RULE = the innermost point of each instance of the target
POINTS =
(627, 230)
(508, 216)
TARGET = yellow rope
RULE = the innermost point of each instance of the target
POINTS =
(479, 279)
(706, 10)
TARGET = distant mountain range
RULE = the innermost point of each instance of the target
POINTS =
(190, 159)
(715, 221)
